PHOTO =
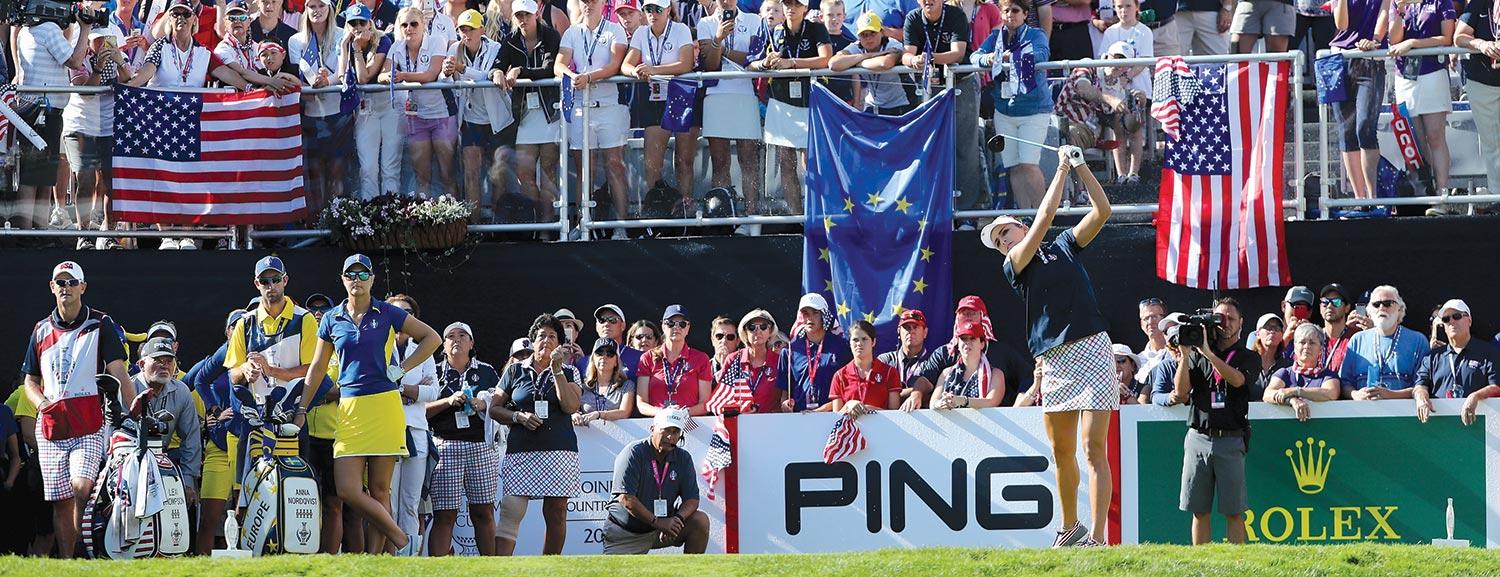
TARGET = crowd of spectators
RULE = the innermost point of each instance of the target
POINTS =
(498, 147)
(500, 425)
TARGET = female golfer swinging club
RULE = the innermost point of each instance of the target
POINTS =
(1067, 336)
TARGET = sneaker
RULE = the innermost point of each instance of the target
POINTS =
(1070, 536)
(60, 218)
(169, 244)
(1133, 179)
(187, 244)
(85, 243)
(619, 234)
(1087, 541)
(413, 546)
(107, 244)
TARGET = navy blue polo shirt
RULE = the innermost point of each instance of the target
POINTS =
(829, 356)
(364, 351)
(1199, 6)
(1456, 375)
(1059, 298)
(444, 424)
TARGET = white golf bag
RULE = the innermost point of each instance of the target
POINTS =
(138, 508)
(279, 494)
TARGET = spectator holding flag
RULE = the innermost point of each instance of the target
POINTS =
(431, 129)
(749, 375)
(972, 382)
(817, 350)
(864, 384)
(1023, 102)
(590, 52)
(241, 54)
(663, 49)
(377, 135)
(1422, 82)
(530, 52)
(795, 43)
(1067, 336)
(325, 130)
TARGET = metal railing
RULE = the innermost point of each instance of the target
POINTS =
(1326, 201)
(569, 195)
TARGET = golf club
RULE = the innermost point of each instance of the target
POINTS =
(997, 144)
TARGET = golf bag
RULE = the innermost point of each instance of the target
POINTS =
(138, 508)
(279, 494)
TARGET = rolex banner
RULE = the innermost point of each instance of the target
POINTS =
(1354, 472)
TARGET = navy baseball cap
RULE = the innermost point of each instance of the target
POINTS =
(674, 311)
(605, 343)
(269, 263)
(360, 259)
(319, 297)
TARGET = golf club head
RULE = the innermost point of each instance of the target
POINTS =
(996, 143)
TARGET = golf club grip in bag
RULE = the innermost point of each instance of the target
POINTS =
(284, 510)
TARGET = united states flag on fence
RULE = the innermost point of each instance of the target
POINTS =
(1219, 225)
(220, 158)
(717, 458)
(843, 441)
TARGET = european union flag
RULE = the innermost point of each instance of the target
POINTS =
(680, 112)
(879, 225)
(567, 100)
(349, 95)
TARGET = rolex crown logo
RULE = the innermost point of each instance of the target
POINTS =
(1310, 464)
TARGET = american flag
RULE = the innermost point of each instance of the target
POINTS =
(843, 441)
(1219, 225)
(218, 158)
(717, 458)
(1173, 87)
(8, 98)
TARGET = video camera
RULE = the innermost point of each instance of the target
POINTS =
(59, 12)
(1193, 330)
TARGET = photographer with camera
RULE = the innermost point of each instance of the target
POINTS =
(1212, 380)
(43, 57)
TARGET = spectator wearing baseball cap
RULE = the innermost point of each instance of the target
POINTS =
(817, 350)
(1274, 352)
(530, 52)
(786, 114)
(909, 356)
(487, 126)
(674, 375)
(377, 134)
(1335, 303)
(972, 382)
(465, 473)
(864, 384)
(1465, 368)
(381, 13)
(239, 51)
(592, 50)
(874, 51)
(369, 395)
(755, 366)
(609, 323)
(1016, 367)
(608, 394)
(627, 14)
(65, 389)
(317, 304)
(662, 49)
(1296, 308)
(326, 130)
(725, 41)
(159, 374)
(659, 508)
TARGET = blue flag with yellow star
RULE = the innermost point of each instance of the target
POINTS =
(879, 208)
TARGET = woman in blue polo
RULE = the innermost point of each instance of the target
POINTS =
(371, 423)
(1066, 334)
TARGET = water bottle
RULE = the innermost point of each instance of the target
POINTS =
(469, 392)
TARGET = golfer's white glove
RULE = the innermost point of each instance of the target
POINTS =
(1072, 155)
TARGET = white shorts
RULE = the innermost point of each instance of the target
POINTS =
(1031, 127)
(1428, 94)
(609, 125)
(535, 129)
(786, 125)
(729, 116)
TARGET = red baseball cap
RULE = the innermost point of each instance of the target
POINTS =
(623, 4)
(913, 316)
(971, 329)
(972, 302)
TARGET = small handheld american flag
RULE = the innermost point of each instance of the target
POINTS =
(843, 441)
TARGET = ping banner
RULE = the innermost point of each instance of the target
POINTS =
(1356, 471)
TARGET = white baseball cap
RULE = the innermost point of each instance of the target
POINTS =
(660, 3)
(527, 6)
(1170, 320)
(1457, 305)
(987, 234)
(812, 300)
(670, 418)
(460, 326)
(69, 267)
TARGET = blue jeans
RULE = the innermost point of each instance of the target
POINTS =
(1356, 116)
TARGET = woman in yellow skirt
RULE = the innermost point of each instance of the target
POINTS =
(371, 424)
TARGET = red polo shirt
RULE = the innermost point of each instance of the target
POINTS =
(874, 392)
(761, 382)
(691, 367)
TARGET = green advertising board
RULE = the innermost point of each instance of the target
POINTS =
(1331, 480)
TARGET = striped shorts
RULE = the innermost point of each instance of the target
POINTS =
(63, 461)
(1079, 376)
(465, 469)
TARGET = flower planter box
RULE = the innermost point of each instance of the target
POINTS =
(433, 237)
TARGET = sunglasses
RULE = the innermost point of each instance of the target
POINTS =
(609, 319)
(1120, 360)
(409, 24)
(726, 337)
(270, 280)
(1383, 304)
(521, 356)
(1334, 302)
(675, 324)
(642, 337)
(653, 9)
(238, 17)
(181, 15)
(67, 282)
(1153, 301)
(605, 352)
(1453, 318)
(758, 327)
(363, 275)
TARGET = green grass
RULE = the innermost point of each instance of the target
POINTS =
(1153, 561)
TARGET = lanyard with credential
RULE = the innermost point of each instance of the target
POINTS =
(812, 372)
(927, 33)
(1453, 372)
(1388, 356)
(660, 475)
(672, 375)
